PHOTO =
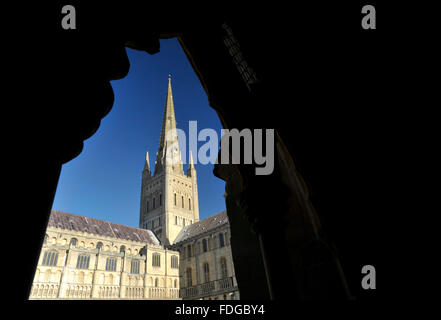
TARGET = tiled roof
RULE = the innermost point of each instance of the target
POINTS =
(69, 221)
(202, 226)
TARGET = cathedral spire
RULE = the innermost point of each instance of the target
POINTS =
(168, 142)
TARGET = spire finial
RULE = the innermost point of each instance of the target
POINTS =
(169, 78)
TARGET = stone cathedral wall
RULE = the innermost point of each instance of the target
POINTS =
(104, 273)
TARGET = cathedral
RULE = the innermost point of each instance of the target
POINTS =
(172, 255)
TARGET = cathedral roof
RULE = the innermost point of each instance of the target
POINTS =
(202, 226)
(69, 221)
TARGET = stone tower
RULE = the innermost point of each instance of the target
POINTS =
(169, 197)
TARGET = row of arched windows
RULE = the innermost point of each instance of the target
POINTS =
(203, 246)
(183, 202)
(50, 258)
(75, 243)
(206, 272)
(78, 292)
(182, 221)
(108, 292)
(135, 292)
(154, 203)
(153, 223)
(161, 282)
(47, 276)
(83, 260)
(44, 291)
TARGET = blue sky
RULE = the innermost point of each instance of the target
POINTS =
(104, 181)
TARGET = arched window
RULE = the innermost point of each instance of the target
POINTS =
(83, 261)
(99, 245)
(73, 242)
(154, 203)
(189, 251)
(80, 278)
(189, 204)
(156, 282)
(176, 220)
(160, 199)
(50, 258)
(122, 249)
(156, 260)
(175, 284)
(224, 271)
(175, 199)
(110, 264)
(174, 262)
(204, 245)
(147, 206)
(182, 201)
(134, 267)
(221, 240)
(189, 278)
(206, 272)
(183, 251)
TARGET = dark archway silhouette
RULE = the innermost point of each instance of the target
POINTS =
(302, 230)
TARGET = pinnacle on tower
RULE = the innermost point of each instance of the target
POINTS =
(147, 163)
(191, 169)
(191, 164)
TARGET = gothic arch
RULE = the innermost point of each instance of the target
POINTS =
(58, 275)
(73, 242)
(80, 277)
(238, 179)
(47, 275)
